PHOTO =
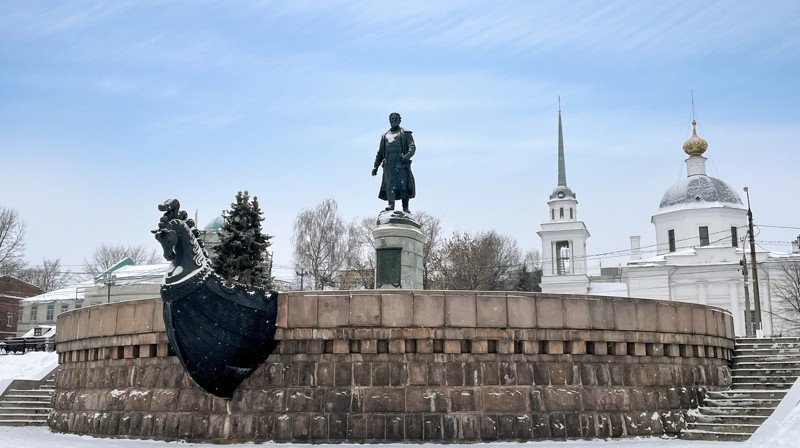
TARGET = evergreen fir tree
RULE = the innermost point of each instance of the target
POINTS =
(524, 281)
(242, 253)
(529, 279)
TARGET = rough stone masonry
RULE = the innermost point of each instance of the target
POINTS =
(442, 366)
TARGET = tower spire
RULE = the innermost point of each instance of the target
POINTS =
(562, 170)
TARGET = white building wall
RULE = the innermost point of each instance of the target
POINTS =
(687, 222)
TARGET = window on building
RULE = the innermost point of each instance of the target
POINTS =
(64, 308)
(671, 233)
(51, 312)
(9, 319)
(704, 236)
(78, 304)
(570, 213)
(561, 212)
(34, 312)
(552, 214)
(734, 236)
(563, 263)
(37, 331)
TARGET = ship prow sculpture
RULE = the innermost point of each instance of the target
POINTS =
(219, 333)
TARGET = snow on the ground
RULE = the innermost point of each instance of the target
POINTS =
(42, 438)
(30, 366)
(782, 428)
(36, 365)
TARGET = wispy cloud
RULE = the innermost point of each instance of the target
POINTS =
(36, 20)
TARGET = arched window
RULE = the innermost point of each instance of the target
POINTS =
(561, 212)
(570, 214)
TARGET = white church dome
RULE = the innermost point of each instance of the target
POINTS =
(700, 189)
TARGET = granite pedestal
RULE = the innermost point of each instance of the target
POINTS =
(399, 245)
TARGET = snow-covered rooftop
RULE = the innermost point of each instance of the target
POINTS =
(146, 274)
(46, 331)
(74, 292)
(149, 274)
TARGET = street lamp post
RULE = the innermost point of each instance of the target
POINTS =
(109, 281)
(302, 274)
(756, 296)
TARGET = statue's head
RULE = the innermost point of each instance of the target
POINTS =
(394, 119)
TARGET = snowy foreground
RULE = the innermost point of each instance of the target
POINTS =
(782, 430)
(43, 438)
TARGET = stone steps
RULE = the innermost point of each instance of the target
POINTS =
(762, 370)
(746, 394)
(767, 365)
(743, 402)
(750, 386)
(27, 407)
(737, 410)
(726, 427)
(732, 419)
(26, 403)
(25, 410)
(745, 371)
(692, 434)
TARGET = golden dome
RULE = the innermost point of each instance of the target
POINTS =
(695, 146)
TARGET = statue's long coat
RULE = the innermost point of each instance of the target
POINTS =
(390, 174)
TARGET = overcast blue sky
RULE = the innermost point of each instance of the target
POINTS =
(109, 108)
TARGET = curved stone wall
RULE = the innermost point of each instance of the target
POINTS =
(364, 366)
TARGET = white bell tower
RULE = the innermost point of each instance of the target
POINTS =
(563, 236)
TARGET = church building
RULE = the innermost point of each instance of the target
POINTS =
(701, 227)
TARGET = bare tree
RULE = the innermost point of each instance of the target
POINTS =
(432, 231)
(361, 262)
(322, 242)
(486, 261)
(12, 241)
(49, 276)
(786, 288)
(107, 255)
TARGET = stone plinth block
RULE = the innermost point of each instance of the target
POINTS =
(429, 311)
(550, 312)
(492, 311)
(460, 310)
(334, 311)
(399, 250)
(365, 310)
(397, 310)
(521, 311)
(302, 311)
(577, 313)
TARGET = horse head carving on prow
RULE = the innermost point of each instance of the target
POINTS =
(202, 314)
(179, 241)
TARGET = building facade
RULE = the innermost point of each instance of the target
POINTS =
(13, 290)
(121, 283)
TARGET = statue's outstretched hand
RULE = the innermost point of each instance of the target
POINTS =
(374, 171)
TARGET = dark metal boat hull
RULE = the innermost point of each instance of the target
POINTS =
(219, 334)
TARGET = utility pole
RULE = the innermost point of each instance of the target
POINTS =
(302, 274)
(748, 324)
(756, 296)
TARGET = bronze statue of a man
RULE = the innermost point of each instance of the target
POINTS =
(395, 152)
